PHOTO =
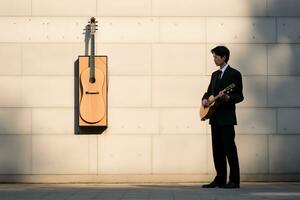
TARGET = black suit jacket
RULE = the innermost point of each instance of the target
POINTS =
(225, 110)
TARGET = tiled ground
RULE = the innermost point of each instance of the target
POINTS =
(247, 191)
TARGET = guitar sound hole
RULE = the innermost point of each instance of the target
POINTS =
(92, 80)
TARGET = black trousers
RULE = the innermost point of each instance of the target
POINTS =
(223, 146)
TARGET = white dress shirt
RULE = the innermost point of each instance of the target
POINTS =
(223, 70)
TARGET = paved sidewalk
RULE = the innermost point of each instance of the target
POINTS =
(248, 191)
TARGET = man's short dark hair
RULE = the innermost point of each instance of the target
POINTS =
(221, 51)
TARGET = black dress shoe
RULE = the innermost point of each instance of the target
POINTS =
(231, 185)
(213, 184)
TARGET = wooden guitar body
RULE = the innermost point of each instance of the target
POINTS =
(206, 112)
(92, 107)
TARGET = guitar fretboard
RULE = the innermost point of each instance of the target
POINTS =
(92, 57)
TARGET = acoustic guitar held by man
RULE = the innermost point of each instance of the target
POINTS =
(223, 119)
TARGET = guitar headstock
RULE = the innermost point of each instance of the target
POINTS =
(93, 25)
(229, 88)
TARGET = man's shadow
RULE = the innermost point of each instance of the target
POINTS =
(83, 129)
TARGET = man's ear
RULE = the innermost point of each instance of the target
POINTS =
(224, 57)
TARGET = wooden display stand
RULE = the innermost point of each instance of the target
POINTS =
(101, 64)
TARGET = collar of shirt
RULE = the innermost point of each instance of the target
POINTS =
(223, 69)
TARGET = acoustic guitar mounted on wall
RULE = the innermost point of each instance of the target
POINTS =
(92, 85)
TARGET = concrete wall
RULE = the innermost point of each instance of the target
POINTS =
(159, 67)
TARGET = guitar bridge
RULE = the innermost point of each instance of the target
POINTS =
(91, 92)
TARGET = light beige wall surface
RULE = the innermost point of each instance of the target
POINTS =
(159, 67)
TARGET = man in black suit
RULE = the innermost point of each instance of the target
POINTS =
(223, 120)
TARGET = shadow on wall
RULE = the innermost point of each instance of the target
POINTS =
(15, 141)
(87, 37)
(270, 68)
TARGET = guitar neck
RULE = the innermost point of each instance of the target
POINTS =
(92, 57)
(218, 96)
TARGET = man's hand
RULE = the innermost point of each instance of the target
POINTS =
(224, 96)
(205, 102)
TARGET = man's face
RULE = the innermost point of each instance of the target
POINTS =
(218, 59)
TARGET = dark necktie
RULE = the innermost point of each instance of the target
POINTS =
(217, 82)
(219, 74)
